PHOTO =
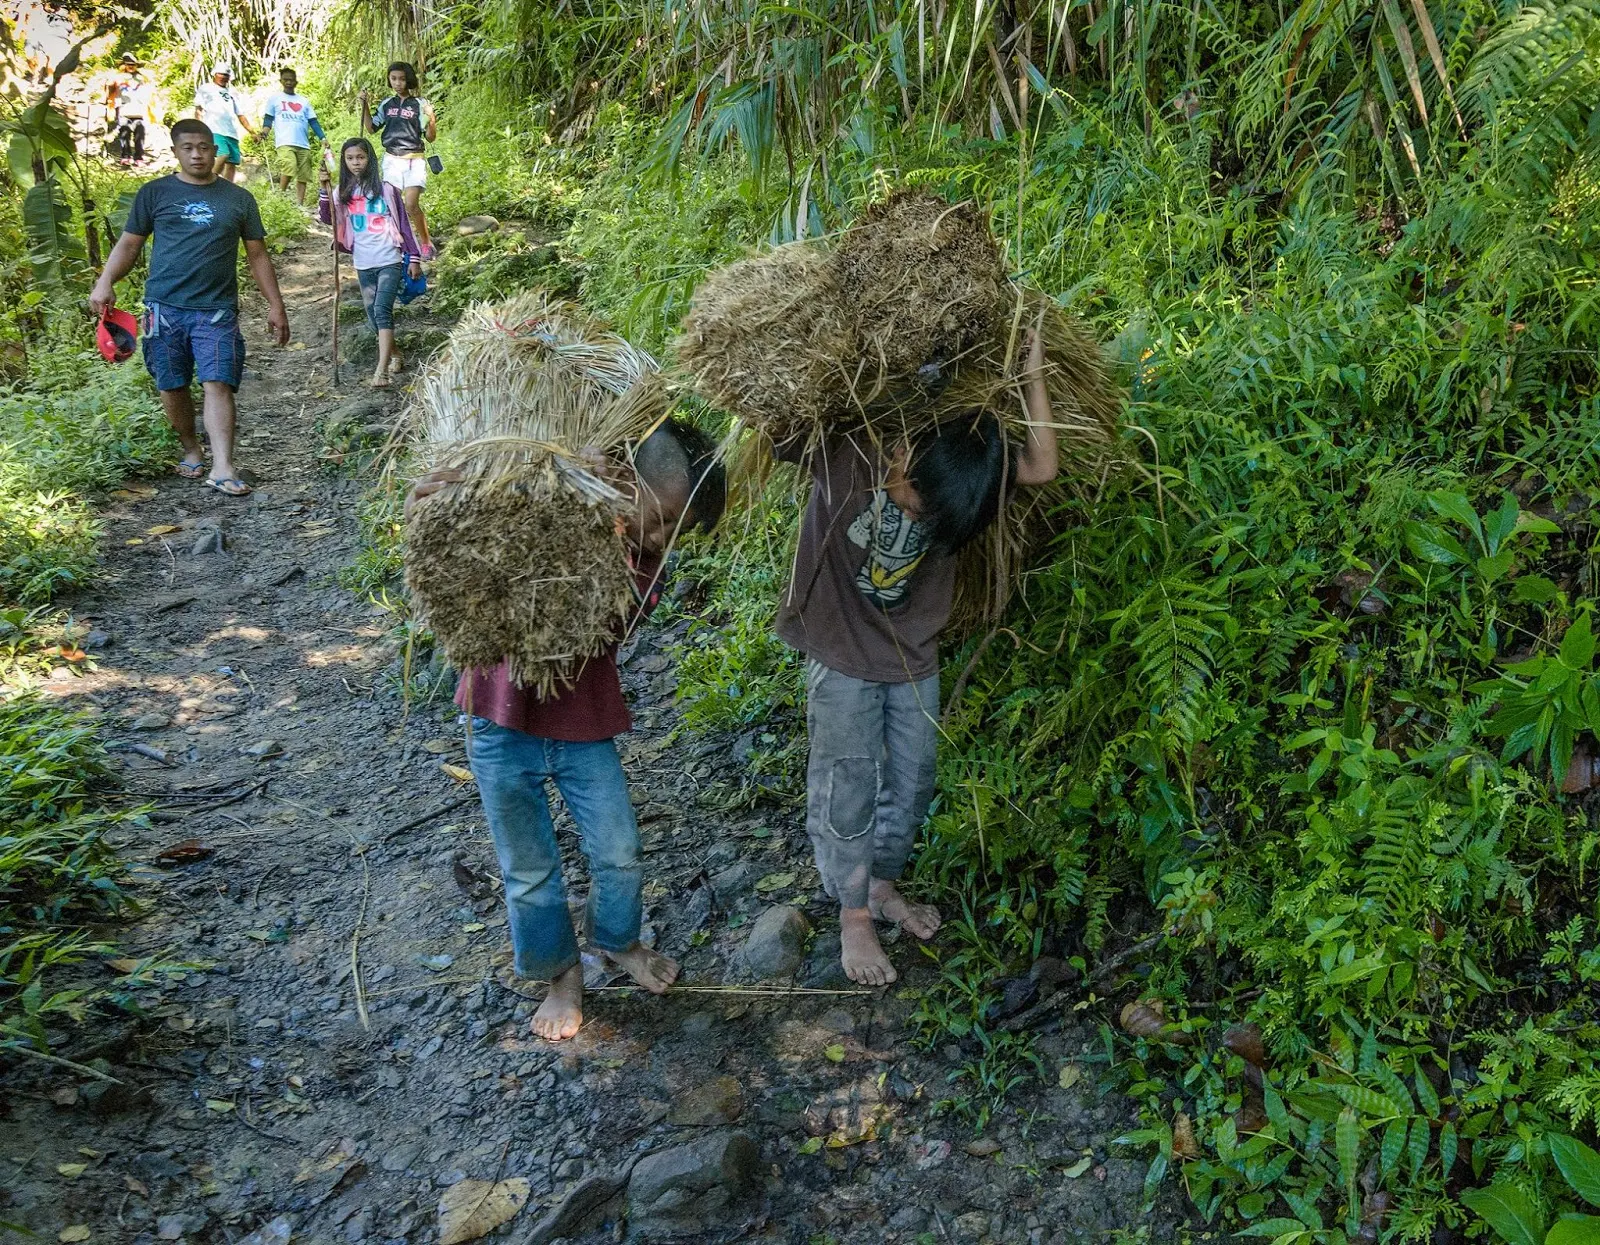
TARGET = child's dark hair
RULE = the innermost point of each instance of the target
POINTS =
(370, 183)
(191, 125)
(958, 471)
(679, 449)
(407, 68)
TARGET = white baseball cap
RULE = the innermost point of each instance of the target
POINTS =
(223, 68)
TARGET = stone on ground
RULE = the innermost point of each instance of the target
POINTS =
(693, 1189)
(776, 945)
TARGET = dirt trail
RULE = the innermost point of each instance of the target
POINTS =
(264, 1083)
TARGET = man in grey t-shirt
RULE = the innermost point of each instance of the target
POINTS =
(191, 295)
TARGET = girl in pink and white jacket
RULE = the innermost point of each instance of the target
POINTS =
(370, 225)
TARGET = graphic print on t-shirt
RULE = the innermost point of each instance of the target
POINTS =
(895, 546)
(198, 212)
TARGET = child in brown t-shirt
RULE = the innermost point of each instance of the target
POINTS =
(873, 585)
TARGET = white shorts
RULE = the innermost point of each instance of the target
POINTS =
(404, 172)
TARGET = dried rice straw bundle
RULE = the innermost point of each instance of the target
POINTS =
(923, 280)
(770, 340)
(524, 562)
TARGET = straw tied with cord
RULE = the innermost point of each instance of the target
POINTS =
(904, 322)
(526, 560)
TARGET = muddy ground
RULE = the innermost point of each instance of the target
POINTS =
(266, 1086)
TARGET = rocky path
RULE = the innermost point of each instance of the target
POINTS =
(342, 1050)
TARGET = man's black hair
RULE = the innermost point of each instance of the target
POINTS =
(679, 452)
(958, 471)
(191, 125)
(290, 69)
(370, 184)
(407, 68)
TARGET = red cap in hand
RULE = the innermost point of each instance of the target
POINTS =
(117, 335)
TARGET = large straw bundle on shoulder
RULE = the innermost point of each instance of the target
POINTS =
(770, 339)
(524, 562)
(923, 280)
(922, 328)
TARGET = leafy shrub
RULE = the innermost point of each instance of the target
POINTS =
(56, 869)
(75, 425)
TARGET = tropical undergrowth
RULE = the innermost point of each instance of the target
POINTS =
(1290, 704)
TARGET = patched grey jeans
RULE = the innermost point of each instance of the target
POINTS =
(870, 778)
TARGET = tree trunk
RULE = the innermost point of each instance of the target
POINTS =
(91, 235)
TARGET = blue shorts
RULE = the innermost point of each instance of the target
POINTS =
(227, 149)
(181, 345)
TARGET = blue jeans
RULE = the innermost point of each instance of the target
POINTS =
(512, 768)
(378, 289)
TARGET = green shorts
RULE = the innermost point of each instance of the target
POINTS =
(228, 149)
(299, 163)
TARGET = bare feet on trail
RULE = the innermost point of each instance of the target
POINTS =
(648, 968)
(886, 903)
(561, 1013)
(860, 951)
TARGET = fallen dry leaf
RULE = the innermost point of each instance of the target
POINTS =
(983, 1147)
(1071, 1074)
(134, 494)
(77, 1232)
(473, 1208)
(459, 772)
(72, 1170)
(135, 1186)
(437, 746)
(123, 965)
(189, 852)
(1078, 1168)
(218, 1104)
(162, 529)
(775, 882)
(1184, 1143)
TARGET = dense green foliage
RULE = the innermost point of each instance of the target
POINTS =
(1293, 693)
(1292, 696)
(56, 871)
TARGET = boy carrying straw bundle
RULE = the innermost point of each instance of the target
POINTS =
(873, 585)
(896, 363)
(523, 737)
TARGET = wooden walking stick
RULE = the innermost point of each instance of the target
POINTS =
(336, 303)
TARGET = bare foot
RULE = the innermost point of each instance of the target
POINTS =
(561, 1013)
(886, 903)
(650, 969)
(860, 951)
(379, 381)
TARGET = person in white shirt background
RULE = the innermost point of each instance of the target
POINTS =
(216, 105)
(294, 124)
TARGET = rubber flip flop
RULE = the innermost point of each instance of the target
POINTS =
(190, 471)
(230, 487)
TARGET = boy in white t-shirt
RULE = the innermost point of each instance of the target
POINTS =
(294, 124)
(216, 104)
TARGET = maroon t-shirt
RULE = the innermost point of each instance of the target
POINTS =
(590, 710)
